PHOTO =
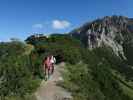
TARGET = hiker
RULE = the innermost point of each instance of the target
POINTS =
(52, 62)
(47, 65)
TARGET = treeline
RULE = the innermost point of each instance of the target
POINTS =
(63, 47)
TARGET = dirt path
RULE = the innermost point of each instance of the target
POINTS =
(50, 91)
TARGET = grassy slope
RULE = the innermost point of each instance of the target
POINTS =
(126, 86)
(76, 81)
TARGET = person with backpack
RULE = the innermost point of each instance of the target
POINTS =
(52, 61)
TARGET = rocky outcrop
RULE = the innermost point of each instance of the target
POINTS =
(113, 31)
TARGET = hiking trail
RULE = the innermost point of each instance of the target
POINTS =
(49, 90)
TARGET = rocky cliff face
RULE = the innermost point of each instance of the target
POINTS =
(114, 31)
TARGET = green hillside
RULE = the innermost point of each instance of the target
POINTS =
(88, 74)
(99, 63)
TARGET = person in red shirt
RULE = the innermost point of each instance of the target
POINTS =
(47, 67)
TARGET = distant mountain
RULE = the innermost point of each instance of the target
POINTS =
(113, 31)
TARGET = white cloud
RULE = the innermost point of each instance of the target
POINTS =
(38, 26)
(60, 24)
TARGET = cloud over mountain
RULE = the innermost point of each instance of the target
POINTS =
(60, 24)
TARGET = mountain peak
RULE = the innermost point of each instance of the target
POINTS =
(112, 31)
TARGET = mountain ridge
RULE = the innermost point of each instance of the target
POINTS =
(109, 31)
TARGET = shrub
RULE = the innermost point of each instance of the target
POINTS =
(16, 78)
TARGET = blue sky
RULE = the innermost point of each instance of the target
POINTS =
(21, 18)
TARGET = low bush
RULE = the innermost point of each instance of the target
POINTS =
(16, 78)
